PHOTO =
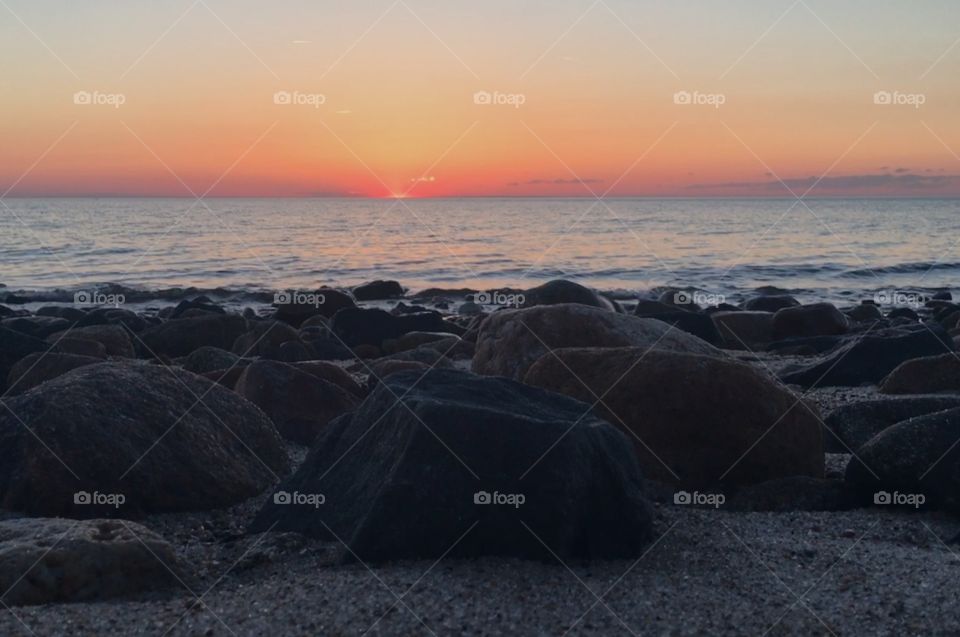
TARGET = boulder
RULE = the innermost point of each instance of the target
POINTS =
(13, 347)
(332, 374)
(467, 466)
(851, 426)
(696, 323)
(51, 560)
(818, 319)
(904, 313)
(510, 341)
(770, 303)
(114, 338)
(865, 312)
(180, 337)
(82, 347)
(36, 326)
(562, 291)
(138, 431)
(209, 359)
(916, 457)
(869, 358)
(926, 375)
(40, 367)
(412, 340)
(362, 326)
(264, 339)
(299, 403)
(378, 291)
(744, 330)
(296, 307)
(72, 314)
(199, 304)
(118, 316)
(696, 421)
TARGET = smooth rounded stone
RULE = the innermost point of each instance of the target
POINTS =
(868, 359)
(13, 347)
(469, 308)
(647, 308)
(795, 493)
(52, 560)
(562, 291)
(134, 430)
(195, 307)
(467, 466)
(695, 421)
(299, 403)
(770, 303)
(919, 456)
(926, 375)
(943, 295)
(370, 326)
(180, 337)
(36, 326)
(698, 324)
(851, 426)
(510, 341)
(817, 319)
(746, 330)
(332, 374)
(72, 314)
(114, 338)
(226, 377)
(302, 305)
(950, 320)
(380, 369)
(264, 338)
(119, 316)
(378, 291)
(903, 312)
(209, 359)
(865, 312)
(40, 367)
(82, 347)
(412, 340)
(319, 321)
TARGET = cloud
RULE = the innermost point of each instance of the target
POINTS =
(902, 180)
(555, 182)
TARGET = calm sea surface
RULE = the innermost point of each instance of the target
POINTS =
(833, 249)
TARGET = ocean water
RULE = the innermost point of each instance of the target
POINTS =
(840, 250)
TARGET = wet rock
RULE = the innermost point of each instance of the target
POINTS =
(770, 303)
(378, 291)
(298, 306)
(359, 326)
(563, 291)
(817, 319)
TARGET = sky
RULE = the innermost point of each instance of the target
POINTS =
(441, 98)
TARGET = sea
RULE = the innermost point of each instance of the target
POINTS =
(838, 250)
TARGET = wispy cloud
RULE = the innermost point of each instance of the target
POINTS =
(555, 182)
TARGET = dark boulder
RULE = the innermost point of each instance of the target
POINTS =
(297, 306)
(180, 337)
(368, 326)
(926, 375)
(770, 303)
(378, 291)
(137, 431)
(471, 465)
(700, 325)
(563, 291)
(115, 339)
(851, 426)
(36, 326)
(868, 359)
(299, 403)
(40, 367)
(818, 319)
(208, 359)
(202, 304)
(13, 347)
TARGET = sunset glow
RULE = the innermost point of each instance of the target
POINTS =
(434, 99)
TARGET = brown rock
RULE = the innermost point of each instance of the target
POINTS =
(924, 376)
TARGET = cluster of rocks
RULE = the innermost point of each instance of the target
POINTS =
(542, 430)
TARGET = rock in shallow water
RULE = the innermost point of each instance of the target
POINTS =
(696, 421)
(510, 341)
(137, 431)
(477, 466)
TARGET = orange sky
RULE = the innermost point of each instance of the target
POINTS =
(591, 98)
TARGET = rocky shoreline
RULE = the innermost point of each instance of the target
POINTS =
(535, 461)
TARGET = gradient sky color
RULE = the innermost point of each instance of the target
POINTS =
(598, 80)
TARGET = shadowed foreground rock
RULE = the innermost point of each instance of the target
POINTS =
(135, 430)
(511, 341)
(919, 456)
(852, 426)
(56, 560)
(486, 461)
(695, 421)
(562, 291)
(39, 367)
(924, 375)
